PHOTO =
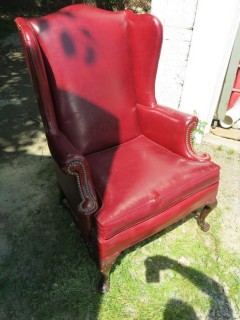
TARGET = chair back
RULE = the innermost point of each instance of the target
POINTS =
(89, 59)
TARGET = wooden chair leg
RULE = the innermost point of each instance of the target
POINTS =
(61, 196)
(104, 283)
(105, 267)
(203, 214)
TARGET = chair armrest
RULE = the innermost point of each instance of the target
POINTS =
(171, 129)
(72, 163)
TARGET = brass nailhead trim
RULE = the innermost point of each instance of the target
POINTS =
(72, 173)
(191, 127)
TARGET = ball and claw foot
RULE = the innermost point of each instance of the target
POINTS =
(204, 225)
(204, 213)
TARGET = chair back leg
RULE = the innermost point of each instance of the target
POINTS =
(204, 213)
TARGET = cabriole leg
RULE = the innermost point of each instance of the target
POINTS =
(61, 196)
(104, 262)
(204, 213)
(105, 267)
(104, 283)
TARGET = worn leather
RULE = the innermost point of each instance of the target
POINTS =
(99, 91)
(125, 164)
(145, 229)
(175, 126)
(144, 183)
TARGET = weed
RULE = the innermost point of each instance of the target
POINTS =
(199, 131)
(219, 148)
(231, 152)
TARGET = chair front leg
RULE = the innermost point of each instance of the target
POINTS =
(203, 214)
(104, 283)
(105, 268)
(61, 196)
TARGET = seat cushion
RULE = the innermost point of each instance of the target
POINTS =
(139, 179)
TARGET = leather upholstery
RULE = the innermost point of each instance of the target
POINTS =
(136, 233)
(148, 182)
(125, 164)
(85, 112)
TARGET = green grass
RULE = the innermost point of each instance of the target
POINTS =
(47, 272)
(219, 148)
(231, 152)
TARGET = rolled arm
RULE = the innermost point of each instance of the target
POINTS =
(72, 163)
(171, 129)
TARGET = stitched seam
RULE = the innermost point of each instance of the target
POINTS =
(153, 216)
(157, 201)
(148, 218)
(122, 145)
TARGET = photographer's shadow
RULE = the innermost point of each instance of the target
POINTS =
(177, 309)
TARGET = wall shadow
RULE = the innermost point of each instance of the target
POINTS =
(178, 309)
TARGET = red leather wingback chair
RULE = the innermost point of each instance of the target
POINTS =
(125, 164)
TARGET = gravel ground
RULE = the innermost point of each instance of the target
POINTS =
(21, 135)
(228, 196)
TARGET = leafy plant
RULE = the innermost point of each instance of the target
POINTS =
(199, 130)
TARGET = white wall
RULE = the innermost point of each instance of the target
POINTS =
(177, 17)
(213, 37)
(192, 80)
